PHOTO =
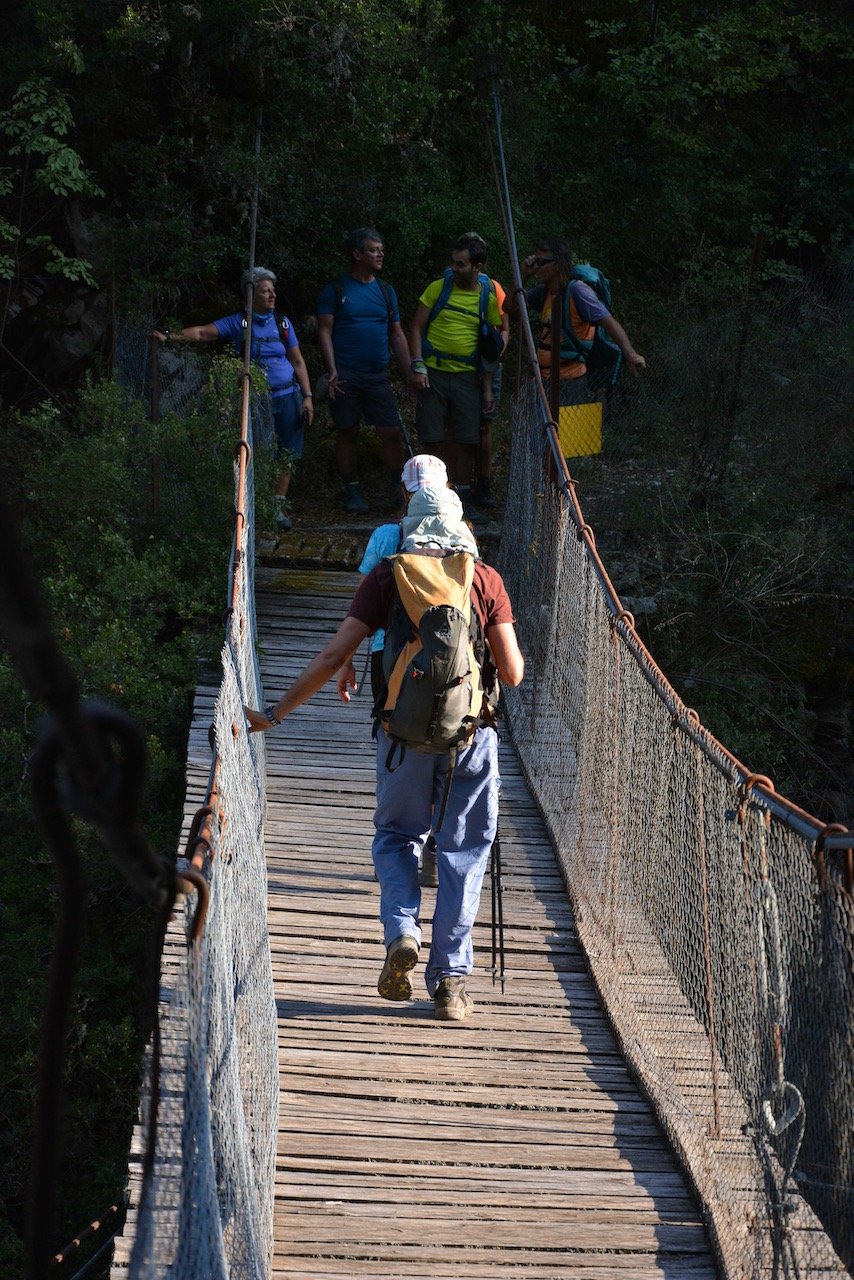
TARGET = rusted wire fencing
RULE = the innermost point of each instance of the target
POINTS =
(717, 918)
(202, 1188)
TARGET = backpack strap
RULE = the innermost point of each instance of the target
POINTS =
(339, 289)
(385, 290)
(446, 790)
(442, 302)
(572, 348)
(283, 329)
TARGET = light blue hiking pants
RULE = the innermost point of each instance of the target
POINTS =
(406, 797)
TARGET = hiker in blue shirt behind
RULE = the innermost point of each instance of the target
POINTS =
(358, 327)
(275, 348)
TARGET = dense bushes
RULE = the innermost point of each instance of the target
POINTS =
(135, 576)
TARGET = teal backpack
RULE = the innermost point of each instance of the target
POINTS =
(601, 355)
(489, 341)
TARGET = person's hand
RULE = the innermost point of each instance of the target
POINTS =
(336, 387)
(308, 411)
(161, 337)
(420, 382)
(345, 680)
(529, 264)
(635, 362)
(258, 721)
(487, 406)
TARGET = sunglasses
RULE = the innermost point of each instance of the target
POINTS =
(543, 262)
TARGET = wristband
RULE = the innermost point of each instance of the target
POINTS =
(308, 395)
(418, 366)
(270, 713)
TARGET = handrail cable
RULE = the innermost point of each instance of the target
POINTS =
(785, 810)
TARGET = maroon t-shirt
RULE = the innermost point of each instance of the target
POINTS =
(372, 601)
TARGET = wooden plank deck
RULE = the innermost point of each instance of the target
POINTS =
(513, 1144)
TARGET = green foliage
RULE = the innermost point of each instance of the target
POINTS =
(120, 556)
(37, 125)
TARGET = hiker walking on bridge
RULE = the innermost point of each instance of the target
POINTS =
(275, 348)
(453, 792)
(358, 326)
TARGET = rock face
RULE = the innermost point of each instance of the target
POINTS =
(53, 338)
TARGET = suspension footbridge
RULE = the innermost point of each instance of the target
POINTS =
(662, 1088)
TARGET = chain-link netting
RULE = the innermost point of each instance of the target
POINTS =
(206, 1207)
(724, 949)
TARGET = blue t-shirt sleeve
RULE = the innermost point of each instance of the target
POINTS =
(229, 327)
(326, 301)
(587, 304)
(383, 542)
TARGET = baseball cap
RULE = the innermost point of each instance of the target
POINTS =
(424, 471)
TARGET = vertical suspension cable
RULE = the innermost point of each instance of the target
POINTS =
(244, 446)
(564, 479)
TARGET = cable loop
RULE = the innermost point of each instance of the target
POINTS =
(757, 779)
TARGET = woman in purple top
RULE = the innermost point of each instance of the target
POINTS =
(276, 349)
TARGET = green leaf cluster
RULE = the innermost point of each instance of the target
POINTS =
(128, 525)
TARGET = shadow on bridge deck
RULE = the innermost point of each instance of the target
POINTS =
(516, 1143)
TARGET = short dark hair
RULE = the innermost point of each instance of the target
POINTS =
(475, 244)
(559, 250)
(355, 241)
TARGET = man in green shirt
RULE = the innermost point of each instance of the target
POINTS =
(452, 392)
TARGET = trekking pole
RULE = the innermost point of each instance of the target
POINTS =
(497, 911)
(405, 438)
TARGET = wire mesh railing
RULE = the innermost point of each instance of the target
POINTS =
(206, 1201)
(718, 924)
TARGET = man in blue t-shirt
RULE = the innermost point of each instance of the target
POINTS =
(358, 325)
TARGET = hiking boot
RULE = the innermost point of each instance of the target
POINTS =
(428, 876)
(482, 495)
(453, 1002)
(354, 499)
(401, 956)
